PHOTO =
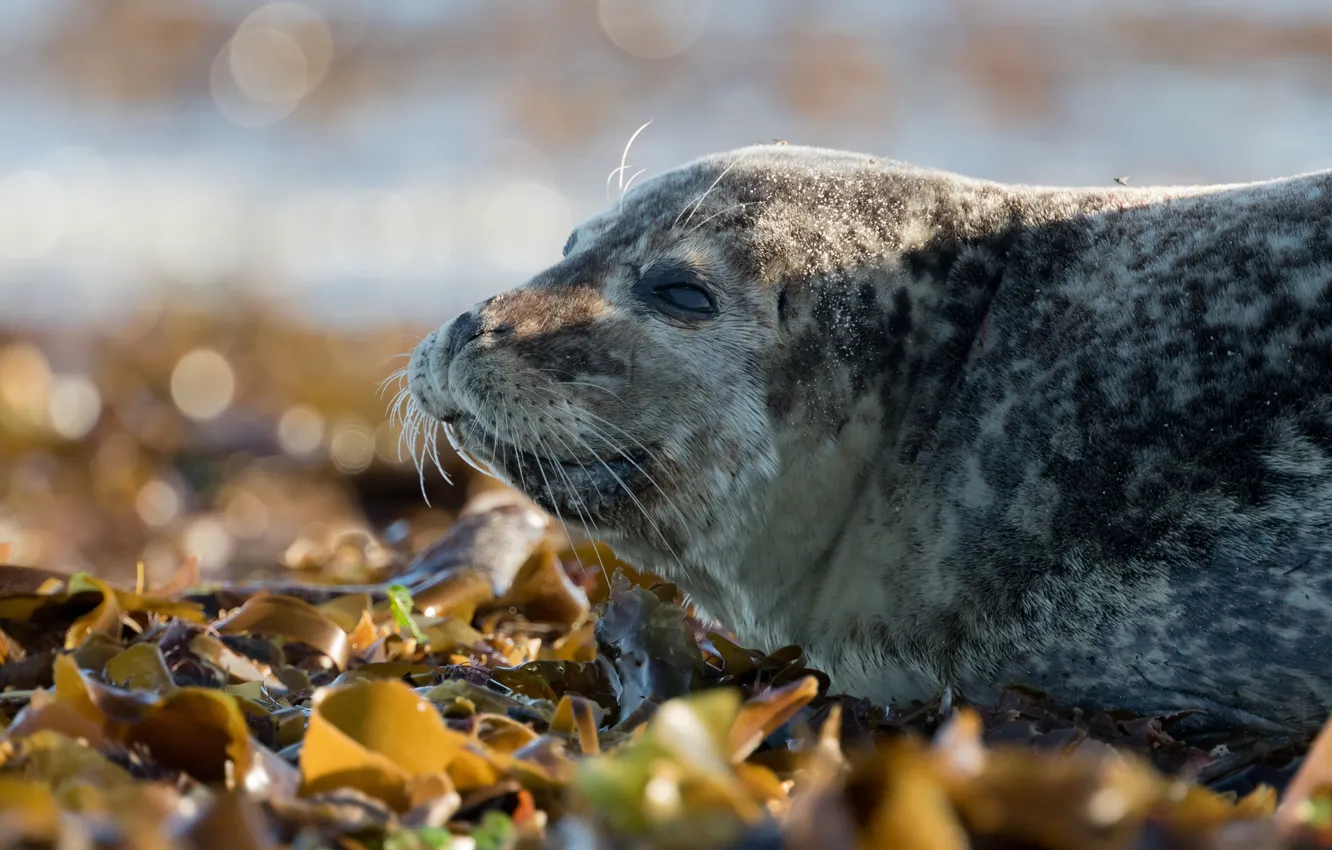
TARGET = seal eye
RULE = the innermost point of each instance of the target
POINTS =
(686, 297)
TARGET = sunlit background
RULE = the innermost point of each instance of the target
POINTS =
(220, 219)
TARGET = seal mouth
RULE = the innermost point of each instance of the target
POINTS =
(573, 487)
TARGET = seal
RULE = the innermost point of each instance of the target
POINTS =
(941, 431)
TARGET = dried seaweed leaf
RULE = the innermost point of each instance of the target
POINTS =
(292, 619)
(765, 714)
(375, 736)
(198, 731)
(140, 667)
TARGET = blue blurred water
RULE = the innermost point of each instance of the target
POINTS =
(473, 134)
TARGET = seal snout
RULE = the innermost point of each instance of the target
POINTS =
(460, 331)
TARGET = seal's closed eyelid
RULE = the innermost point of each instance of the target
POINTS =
(670, 272)
(678, 289)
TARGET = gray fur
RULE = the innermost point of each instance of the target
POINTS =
(945, 431)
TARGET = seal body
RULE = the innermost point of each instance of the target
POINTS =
(942, 431)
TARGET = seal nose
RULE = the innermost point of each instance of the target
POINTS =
(463, 330)
(469, 326)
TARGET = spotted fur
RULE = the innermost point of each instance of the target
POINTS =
(942, 430)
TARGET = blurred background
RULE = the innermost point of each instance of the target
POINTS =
(220, 219)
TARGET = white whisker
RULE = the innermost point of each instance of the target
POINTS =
(695, 228)
(699, 202)
(641, 508)
(639, 173)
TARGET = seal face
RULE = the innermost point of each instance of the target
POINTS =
(940, 430)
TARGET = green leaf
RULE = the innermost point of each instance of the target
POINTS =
(80, 582)
(435, 837)
(400, 603)
(495, 832)
(425, 838)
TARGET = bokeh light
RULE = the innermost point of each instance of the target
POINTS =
(202, 384)
(277, 56)
(25, 385)
(34, 213)
(301, 430)
(352, 445)
(650, 29)
(523, 224)
(158, 503)
(208, 539)
(76, 405)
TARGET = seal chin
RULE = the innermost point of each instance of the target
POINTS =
(589, 487)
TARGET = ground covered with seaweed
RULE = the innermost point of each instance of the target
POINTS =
(229, 618)
(497, 690)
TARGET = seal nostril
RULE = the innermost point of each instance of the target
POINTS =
(464, 329)
(468, 327)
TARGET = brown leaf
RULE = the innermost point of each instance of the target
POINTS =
(542, 592)
(347, 610)
(761, 716)
(232, 820)
(235, 665)
(29, 809)
(198, 731)
(456, 593)
(26, 581)
(576, 714)
(292, 619)
(908, 807)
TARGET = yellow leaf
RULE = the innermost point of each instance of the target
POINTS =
(104, 619)
(29, 808)
(576, 714)
(375, 736)
(141, 667)
(347, 610)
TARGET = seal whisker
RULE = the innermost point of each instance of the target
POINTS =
(699, 202)
(396, 375)
(651, 455)
(551, 492)
(623, 160)
(517, 445)
(722, 212)
(670, 503)
(573, 491)
(433, 442)
(576, 383)
(630, 493)
(396, 404)
(630, 182)
(583, 411)
(407, 427)
(417, 418)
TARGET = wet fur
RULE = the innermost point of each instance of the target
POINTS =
(947, 431)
